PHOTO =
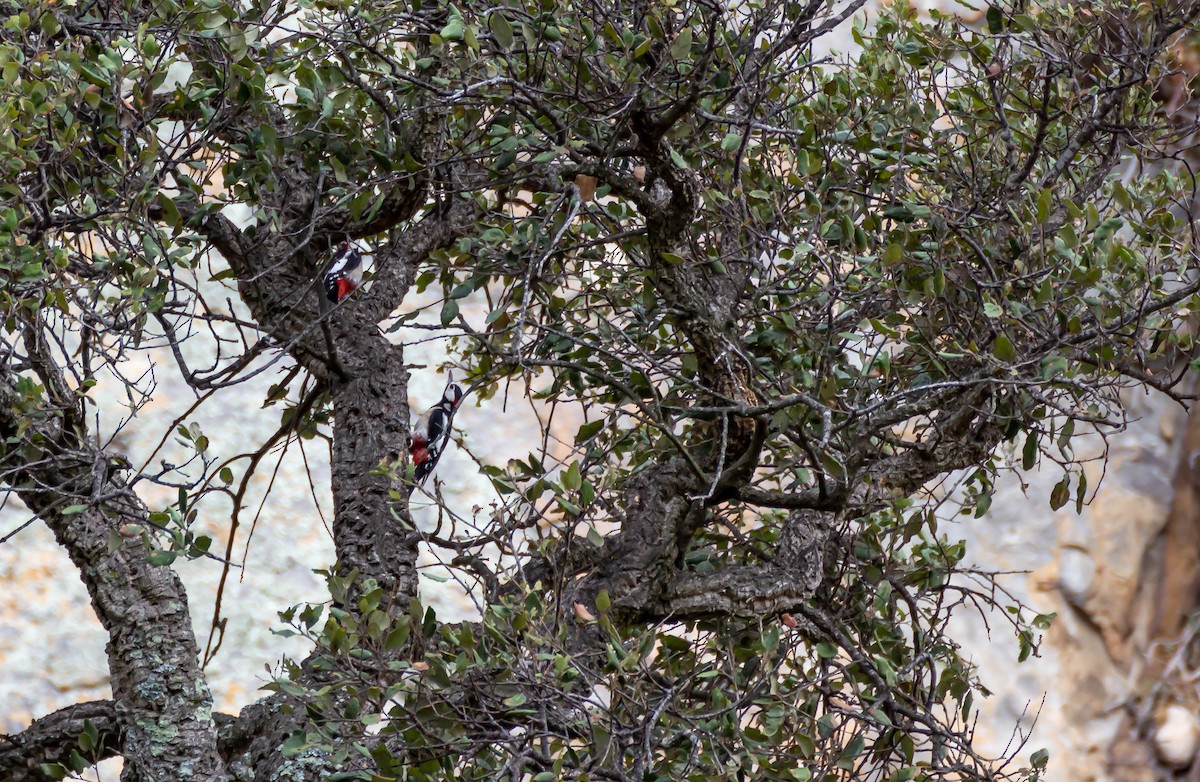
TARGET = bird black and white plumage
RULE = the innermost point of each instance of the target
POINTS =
(432, 432)
(344, 274)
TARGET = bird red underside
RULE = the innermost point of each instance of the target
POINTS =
(420, 451)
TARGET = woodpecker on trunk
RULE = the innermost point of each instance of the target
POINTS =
(344, 274)
(432, 432)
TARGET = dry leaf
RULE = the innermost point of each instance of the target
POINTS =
(587, 187)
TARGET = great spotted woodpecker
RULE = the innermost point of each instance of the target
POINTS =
(432, 432)
(344, 274)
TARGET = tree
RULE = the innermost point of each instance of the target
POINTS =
(788, 293)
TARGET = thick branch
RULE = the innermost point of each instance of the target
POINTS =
(373, 529)
(397, 260)
(744, 591)
(51, 739)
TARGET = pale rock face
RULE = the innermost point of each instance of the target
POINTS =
(1076, 572)
(1176, 736)
(1086, 568)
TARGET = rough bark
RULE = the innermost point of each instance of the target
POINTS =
(52, 738)
(374, 530)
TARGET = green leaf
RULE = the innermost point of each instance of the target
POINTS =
(603, 601)
(170, 211)
(995, 20)
(1030, 452)
(1044, 202)
(399, 634)
(805, 163)
(502, 31)
(826, 651)
(463, 289)
(731, 142)
(455, 28)
(675, 643)
(78, 764)
(828, 389)
(90, 738)
(682, 47)
(1053, 366)
(588, 430)
(1107, 228)
(72, 510)
(449, 311)
(1060, 494)
(54, 770)
(1003, 348)
(159, 557)
(1065, 434)
(1043, 621)
(571, 478)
